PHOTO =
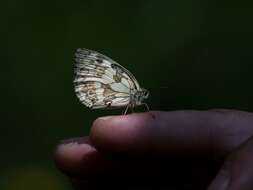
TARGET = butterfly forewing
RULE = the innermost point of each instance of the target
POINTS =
(100, 82)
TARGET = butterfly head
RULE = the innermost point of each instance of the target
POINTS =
(140, 95)
(145, 93)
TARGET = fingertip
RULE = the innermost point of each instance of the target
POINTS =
(70, 154)
(108, 131)
(120, 132)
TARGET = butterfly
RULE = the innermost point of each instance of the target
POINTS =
(100, 82)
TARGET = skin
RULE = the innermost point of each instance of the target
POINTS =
(175, 150)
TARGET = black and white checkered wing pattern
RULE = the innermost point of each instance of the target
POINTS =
(100, 82)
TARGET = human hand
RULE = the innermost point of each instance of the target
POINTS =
(163, 150)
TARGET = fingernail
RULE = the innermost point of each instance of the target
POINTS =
(77, 140)
(221, 181)
(73, 148)
(105, 118)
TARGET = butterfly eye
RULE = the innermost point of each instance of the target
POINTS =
(146, 93)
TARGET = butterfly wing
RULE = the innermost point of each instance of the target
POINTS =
(100, 82)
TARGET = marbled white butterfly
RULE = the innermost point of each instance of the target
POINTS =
(101, 82)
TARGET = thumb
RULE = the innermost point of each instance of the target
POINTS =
(237, 170)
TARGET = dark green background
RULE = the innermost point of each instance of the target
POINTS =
(189, 54)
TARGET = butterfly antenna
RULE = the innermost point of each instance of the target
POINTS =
(157, 88)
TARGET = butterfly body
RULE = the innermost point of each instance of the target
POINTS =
(101, 82)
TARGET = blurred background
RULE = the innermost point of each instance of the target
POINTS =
(190, 54)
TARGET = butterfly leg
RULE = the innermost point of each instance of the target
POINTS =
(146, 105)
(125, 112)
